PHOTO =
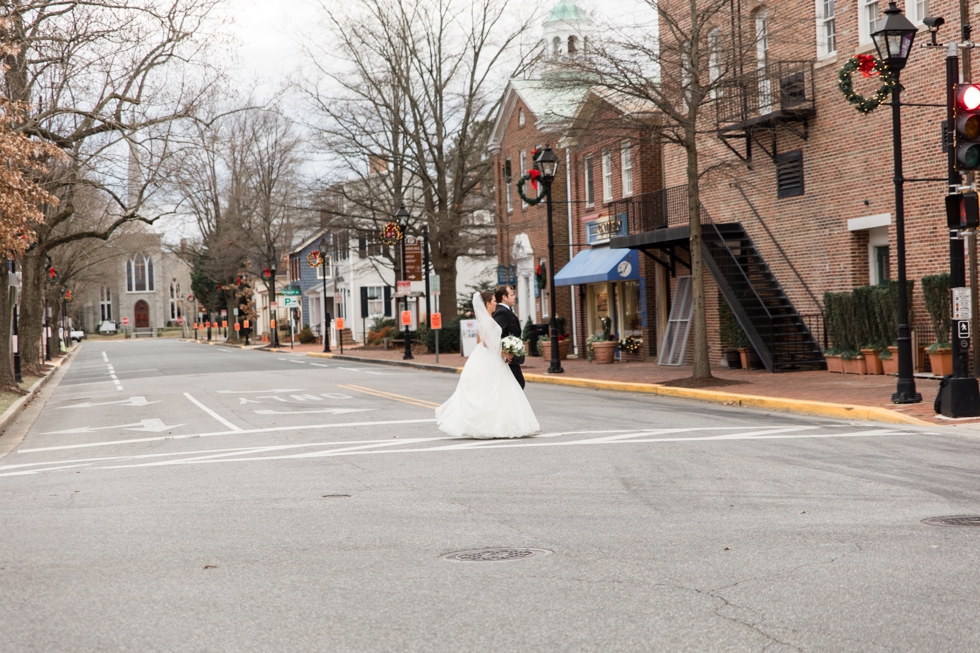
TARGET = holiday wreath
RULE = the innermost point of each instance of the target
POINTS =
(391, 233)
(869, 66)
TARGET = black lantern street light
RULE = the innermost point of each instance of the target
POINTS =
(402, 217)
(273, 308)
(893, 40)
(546, 163)
(322, 245)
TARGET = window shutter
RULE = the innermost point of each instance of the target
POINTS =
(387, 301)
(364, 302)
(789, 174)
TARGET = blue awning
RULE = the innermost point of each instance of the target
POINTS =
(600, 264)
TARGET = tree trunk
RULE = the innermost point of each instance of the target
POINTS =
(446, 269)
(231, 304)
(7, 381)
(702, 364)
(31, 316)
(54, 302)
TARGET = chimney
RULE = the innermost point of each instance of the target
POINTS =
(377, 163)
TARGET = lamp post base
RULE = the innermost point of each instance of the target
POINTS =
(960, 397)
(408, 347)
(556, 370)
(906, 398)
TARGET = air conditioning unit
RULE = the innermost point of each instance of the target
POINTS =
(792, 90)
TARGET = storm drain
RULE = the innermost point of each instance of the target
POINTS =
(953, 520)
(495, 555)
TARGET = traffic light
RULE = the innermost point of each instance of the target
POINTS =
(967, 120)
(963, 211)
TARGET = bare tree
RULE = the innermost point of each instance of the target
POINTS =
(106, 80)
(678, 78)
(416, 86)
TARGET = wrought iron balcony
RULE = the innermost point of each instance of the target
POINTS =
(783, 90)
(652, 211)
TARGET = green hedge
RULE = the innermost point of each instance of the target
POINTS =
(935, 290)
(729, 330)
(865, 318)
(448, 336)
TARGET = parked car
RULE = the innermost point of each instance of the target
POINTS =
(76, 335)
(107, 327)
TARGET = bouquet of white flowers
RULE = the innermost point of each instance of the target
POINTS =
(513, 345)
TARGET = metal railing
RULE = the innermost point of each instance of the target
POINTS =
(785, 86)
(651, 211)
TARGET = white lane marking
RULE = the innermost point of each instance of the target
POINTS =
(292, 361)
(378, 373)
(274, 429)
(333, 411)
(152, 425)
(38, 471)
(355, 451)
(320, 365)
(247, 392)
(105, 357)
(212, 413)
(132, 401)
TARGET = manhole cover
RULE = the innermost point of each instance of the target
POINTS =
(494, 555)
(954, 520)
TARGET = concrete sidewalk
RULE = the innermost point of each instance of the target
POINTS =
(844, 396)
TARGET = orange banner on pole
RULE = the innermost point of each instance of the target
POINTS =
(406, 318)
(238, 327)
(246, 324)
(272, 324)
(340, 323)
(224, 324)
(436, 321)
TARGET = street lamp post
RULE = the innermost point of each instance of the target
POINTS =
(546, 163)
(326, 316)
(893, 40)
(402, 216)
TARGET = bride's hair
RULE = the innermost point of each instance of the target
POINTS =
(486, 296)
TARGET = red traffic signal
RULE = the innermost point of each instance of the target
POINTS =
(967, 132)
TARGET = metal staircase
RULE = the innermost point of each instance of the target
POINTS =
(778, 333)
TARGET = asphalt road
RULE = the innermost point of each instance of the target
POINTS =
(171, 496)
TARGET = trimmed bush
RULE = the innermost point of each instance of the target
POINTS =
(935, 289)
(729, 330)
(306, 336)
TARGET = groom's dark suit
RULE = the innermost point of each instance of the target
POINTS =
(509, 326)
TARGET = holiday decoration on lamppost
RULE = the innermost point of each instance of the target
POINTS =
(316, 259)
(270, 274)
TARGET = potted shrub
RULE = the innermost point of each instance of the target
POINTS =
(854, 362)
(631, 349)
(833, 323)
(730, 332)
(935, 290)
(604, 347)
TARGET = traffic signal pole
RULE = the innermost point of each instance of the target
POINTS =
(960, 395)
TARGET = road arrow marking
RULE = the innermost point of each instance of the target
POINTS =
(132, 401)
(147, 425)
(331, 411)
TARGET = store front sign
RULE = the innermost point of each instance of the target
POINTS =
(602, 229)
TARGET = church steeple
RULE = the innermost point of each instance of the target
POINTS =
(566, 31)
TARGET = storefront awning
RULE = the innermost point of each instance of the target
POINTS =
(600, 264)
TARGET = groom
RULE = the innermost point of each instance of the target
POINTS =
(509, 324)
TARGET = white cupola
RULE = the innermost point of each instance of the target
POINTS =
(567, 31)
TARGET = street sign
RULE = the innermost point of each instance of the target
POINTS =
(413, 258)
(502, 276)
(290, 291)
(236, 311)
(340, 323)
(290, 301)
(435, 285)
(436, 321)
(238, 327)
(224, 312)
(962, 329)
(962, 307)
(273, 304)
(180, 320)
(406, 318)
(224, 324)
(403, 287)
(125, 321)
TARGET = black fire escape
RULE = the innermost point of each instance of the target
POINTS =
(756, 105)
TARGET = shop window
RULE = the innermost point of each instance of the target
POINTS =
(627, 164)
(789, 174)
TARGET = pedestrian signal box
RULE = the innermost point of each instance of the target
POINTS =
(963, 211)
(967, 121)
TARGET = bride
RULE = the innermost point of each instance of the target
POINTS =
(488, 402)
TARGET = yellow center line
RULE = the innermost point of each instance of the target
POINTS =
(388, 395)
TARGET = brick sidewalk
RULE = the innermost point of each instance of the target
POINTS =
(823, 386)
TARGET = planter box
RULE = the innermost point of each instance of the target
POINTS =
(874, 363)
(750, 359)
(734, 359)
(835, 364)
(563, 347)
(855, 365)
(632, 357)
(890, 365)
(605, 352)
(942, 363)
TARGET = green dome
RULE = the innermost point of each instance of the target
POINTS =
(566, 10)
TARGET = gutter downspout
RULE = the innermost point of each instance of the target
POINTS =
(571, 239)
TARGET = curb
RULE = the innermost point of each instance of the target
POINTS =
(801, 406)
(10, 415)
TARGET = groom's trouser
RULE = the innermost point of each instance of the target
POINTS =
(518, 374)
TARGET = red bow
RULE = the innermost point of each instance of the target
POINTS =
(534, 174)
(866, 64)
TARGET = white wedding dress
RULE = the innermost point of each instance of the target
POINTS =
(488, 402)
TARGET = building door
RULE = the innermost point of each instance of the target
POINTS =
(142, 312)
